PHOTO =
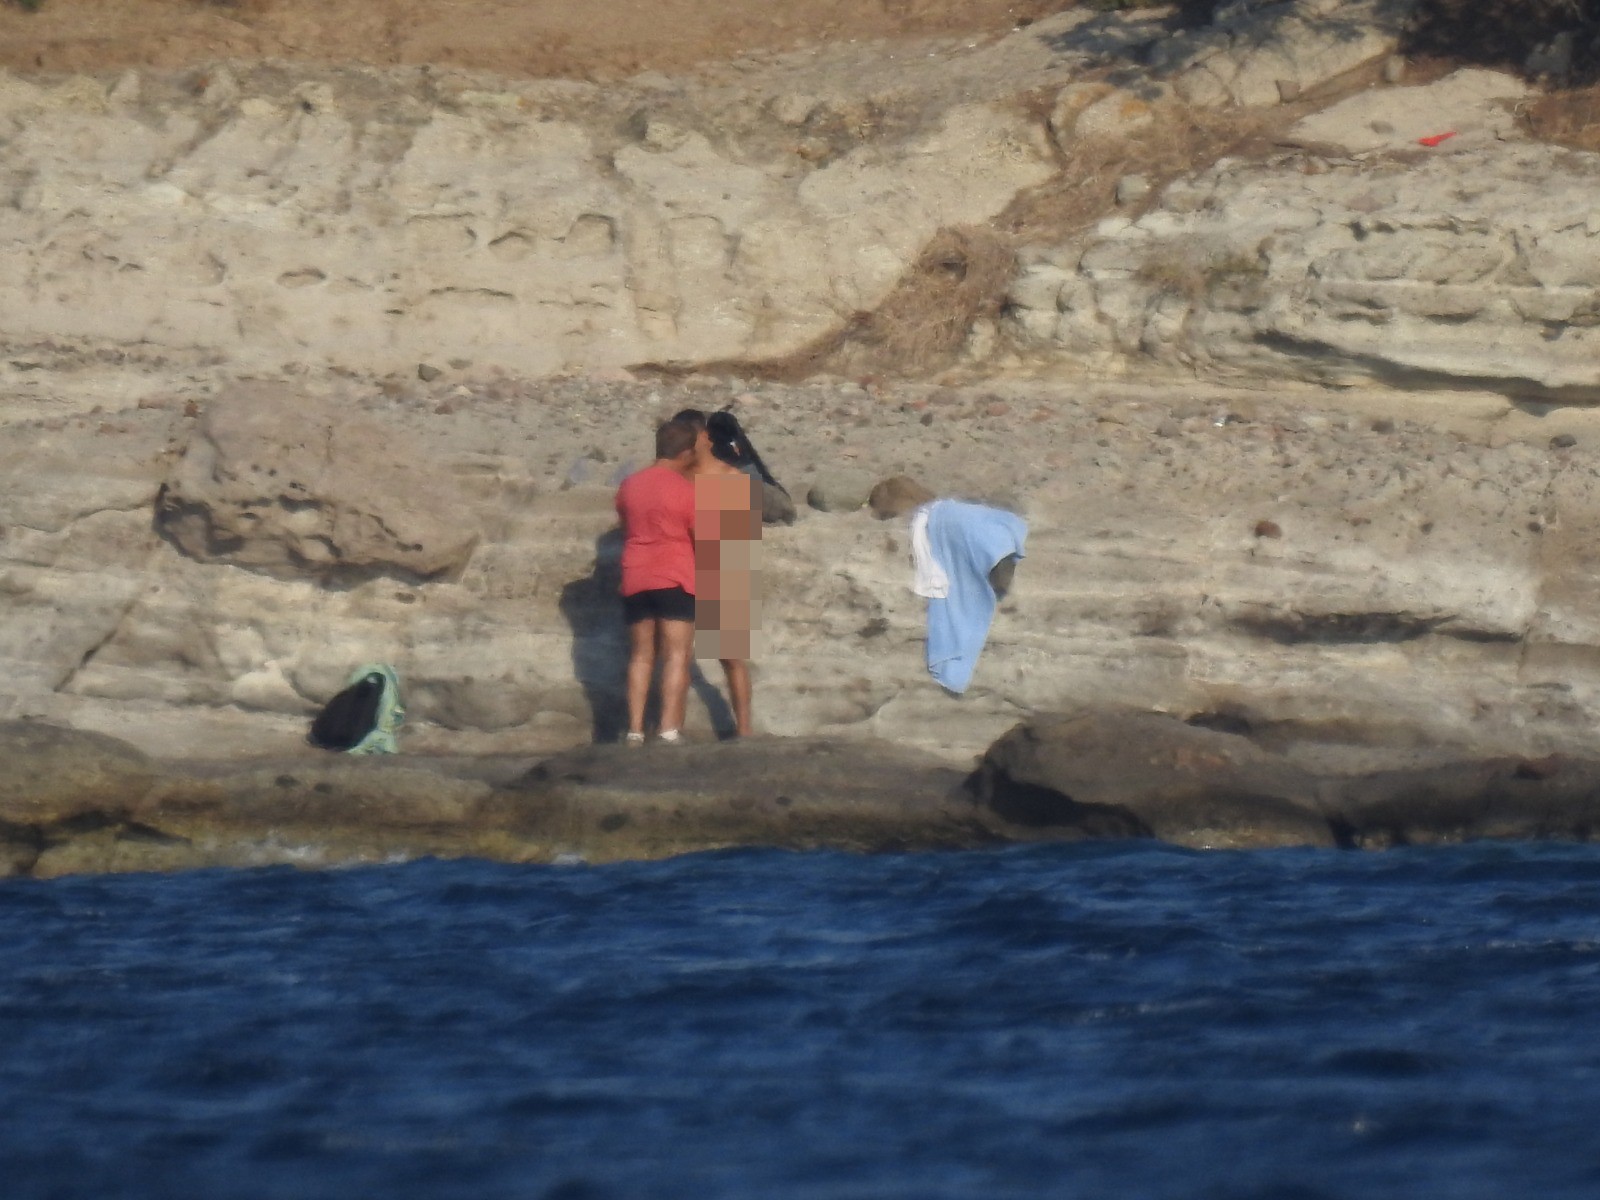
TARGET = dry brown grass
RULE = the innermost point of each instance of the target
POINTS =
(523, 38)
(960, 276)
(1181, 141)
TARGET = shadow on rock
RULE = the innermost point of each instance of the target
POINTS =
(592, 607)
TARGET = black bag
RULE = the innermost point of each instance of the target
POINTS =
(349, 716)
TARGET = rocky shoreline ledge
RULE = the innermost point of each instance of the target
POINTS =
(1279, 333)
(74, 802)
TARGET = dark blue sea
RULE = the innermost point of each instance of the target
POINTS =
(1108, 1021)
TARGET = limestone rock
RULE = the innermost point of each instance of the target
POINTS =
(284, 484)
(470, 702)
(1256, 55)
(1116, 115)
(610, 802)
(322, 812)
(367, 221)
(840, 490)
(329, 793)
(1473, 105)
(897, 496)
(1132, 189)
(1454, 268)
(1069, 104)
(1109, 774)
(52, 774)
(75, 541)
(1550, 797)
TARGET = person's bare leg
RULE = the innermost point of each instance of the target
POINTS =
(738, 673)
(677, 648)
(641, 664)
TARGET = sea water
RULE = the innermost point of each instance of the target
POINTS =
(1106, 1020)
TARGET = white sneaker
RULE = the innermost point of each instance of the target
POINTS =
(634, 739)
(670, 736)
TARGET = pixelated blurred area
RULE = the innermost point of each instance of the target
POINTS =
(727, 566)
(727, 508)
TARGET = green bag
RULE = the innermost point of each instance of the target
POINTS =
(365, 716)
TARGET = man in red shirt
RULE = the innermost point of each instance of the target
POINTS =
(657, 510)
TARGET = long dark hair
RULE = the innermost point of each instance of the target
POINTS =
(729, 443)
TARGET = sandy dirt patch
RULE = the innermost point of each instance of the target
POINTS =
(563, 38)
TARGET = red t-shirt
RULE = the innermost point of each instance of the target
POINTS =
(657, 510)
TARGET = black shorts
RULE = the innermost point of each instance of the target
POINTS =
(658, 604)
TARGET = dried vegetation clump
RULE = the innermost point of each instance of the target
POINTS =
(959, 278)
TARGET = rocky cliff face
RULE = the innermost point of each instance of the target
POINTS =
(1297, 431)
(1357, 256)
(355, 219)
(359, 218)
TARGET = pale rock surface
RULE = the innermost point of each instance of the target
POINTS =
(1209, 535)
(297, 488)
(1469, 267)
(371, 220)
(1089, 112)
(1473, 106)
(53, 774)
(840, 491)
(1424, 567)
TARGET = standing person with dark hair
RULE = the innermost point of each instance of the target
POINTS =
(657, 509)
(727, 571)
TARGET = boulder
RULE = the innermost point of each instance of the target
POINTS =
(1553, 797)
(1260, 55)
(1143, 774)
(613, 802)
(1113, 117)
(53, 774)
(840, 490)
(294, 487)
(311, 813)
(897, 496)
(1070, 103)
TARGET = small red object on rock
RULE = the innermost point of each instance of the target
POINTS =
(1435, 138)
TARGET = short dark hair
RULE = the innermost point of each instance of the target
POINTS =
(693, 416)
(674, 437)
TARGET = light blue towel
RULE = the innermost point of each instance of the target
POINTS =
(967, 540)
